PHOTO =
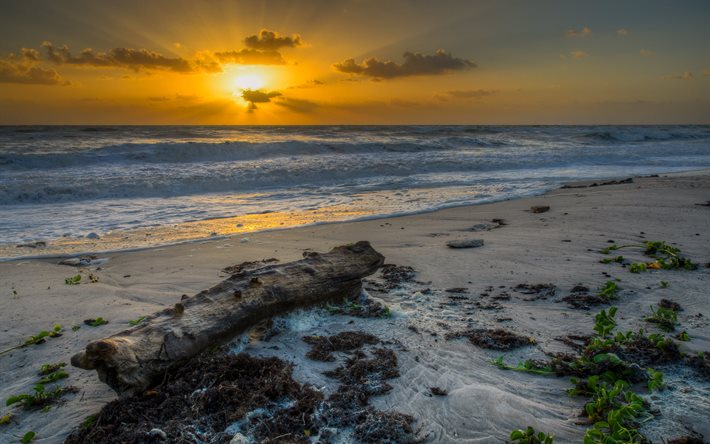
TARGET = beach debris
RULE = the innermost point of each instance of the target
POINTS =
(599, 184)
(210, 393)
(438, 391)
(39, 338)
(37, 244)
(580, 297)
(322, 347)
(81, 261)
(495, 339)
(538, 291)
(495, 223)
(97, 322)
(465, 243)
(669, 304)
(73, 280)
(93, 235)
(136, 359)
(539, 209)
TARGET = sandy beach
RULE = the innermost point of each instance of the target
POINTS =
(560, 247)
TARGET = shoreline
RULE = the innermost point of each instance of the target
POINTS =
(559, 246)
(229, 221)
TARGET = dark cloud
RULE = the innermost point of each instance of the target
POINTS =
(24, 68)
(414, 64)
(297, 105)
(466, 94)
(251, 57)
(135, 59)
(254, 96)
(271, 41)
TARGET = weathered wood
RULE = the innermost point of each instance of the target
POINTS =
(136, 359)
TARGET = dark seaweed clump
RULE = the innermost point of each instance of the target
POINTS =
(204, 397)
(496, 339)
(322, 347)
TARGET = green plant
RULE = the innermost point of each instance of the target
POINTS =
(39, 338)
(664, 284)
(608, 291)
(654, 379)
(5, 419)
(136, 321)
(46, 369)
(609, 260)
(97, 322)
(683, 336)
(386, 312)
(528, 366)
(54, 377)
(665, 318)
(28, 437)
(604, 322)
(39, 398)
(75, 327)
(530, 436)
(89, 422)
(73, 280)
(93, 278)
(638, 267)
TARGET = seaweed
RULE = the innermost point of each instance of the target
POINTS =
(496, 339)
(322, 347)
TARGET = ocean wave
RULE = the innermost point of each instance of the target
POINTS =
(187, 152)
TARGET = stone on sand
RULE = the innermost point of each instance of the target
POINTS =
(465, 243)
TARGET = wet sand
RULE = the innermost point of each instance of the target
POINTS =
(484, 404)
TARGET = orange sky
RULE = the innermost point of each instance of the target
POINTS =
(358, 62)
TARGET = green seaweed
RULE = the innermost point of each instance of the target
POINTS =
(531, 436)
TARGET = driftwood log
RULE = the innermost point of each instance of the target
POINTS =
(137, 359)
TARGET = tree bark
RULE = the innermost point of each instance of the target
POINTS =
(137, 359)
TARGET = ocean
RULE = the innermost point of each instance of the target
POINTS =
(79, 188)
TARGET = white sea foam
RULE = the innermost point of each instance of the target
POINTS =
(78, 180)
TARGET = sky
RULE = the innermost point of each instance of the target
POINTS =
(354, 62)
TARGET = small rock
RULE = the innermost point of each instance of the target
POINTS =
(93, 235)
(240, 225)
(244, 240)
(81, 261)
(465, 243)
(540, 209)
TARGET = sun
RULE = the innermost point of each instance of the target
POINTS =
(248, 81)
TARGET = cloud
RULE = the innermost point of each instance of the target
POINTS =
(135, 59)
(414, 64)
(271, 41)
(577, 54)
(308, 84)
(687, 75)
(254, 96)
(622, 32)
(24, 68)
(297, 105)
(647, 53)
(251, 57)
(465, 94)
(584, 32)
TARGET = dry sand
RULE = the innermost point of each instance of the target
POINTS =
(484, 403)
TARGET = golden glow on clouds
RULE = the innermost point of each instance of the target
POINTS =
(312, 62)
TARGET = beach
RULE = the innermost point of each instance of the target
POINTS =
(484, 403)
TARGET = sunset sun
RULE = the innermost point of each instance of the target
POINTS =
(248, 81)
